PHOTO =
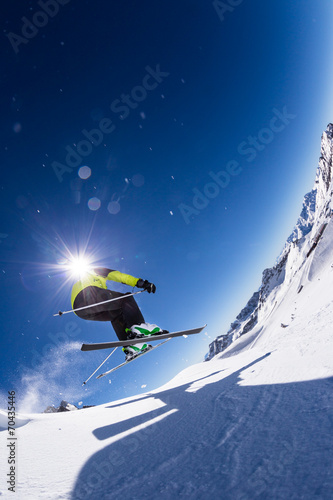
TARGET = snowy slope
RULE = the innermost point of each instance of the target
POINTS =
(254, 422)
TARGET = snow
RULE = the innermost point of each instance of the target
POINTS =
(254, 422)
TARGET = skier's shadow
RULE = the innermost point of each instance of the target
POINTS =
(167, 397)
(153, 438)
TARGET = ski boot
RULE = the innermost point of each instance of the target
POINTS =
(143, 330)
(131, 351)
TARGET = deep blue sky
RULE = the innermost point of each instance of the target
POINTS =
(224, 77)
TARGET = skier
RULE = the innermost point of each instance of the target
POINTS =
(124, 314)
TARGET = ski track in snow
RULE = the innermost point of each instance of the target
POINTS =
(255, 422)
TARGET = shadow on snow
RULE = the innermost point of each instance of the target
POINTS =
(221, 440)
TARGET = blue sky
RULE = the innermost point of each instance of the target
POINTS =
(178, 92)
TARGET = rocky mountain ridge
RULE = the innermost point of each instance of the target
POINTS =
(64, 406)
(316, 211)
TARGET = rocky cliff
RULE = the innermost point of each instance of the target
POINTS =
(316, 211)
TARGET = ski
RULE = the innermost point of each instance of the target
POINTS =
(132, 359)
(152, 338)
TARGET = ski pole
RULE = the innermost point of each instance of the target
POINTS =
(60, 313)
(100, 365)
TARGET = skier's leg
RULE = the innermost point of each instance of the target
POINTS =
(119, 326)
(131, 312)
(92, 295)
(128, 315)
(135, 321)
(122, 314)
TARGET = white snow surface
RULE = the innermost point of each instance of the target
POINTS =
(255, 422)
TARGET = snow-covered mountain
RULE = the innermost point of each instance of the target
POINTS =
(316, 212)
(254, 422)
(64, 406)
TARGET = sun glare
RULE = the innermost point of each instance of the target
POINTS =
(79, 266)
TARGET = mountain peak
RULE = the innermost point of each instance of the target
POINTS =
(316, 211)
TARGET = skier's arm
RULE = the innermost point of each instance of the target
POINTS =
(117, 276)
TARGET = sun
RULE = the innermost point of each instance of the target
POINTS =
(79, 266)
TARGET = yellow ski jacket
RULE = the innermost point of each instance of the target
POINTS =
(98, 277)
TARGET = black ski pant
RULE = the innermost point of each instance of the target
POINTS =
(122, 313)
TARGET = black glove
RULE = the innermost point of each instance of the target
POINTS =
(149, 287)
